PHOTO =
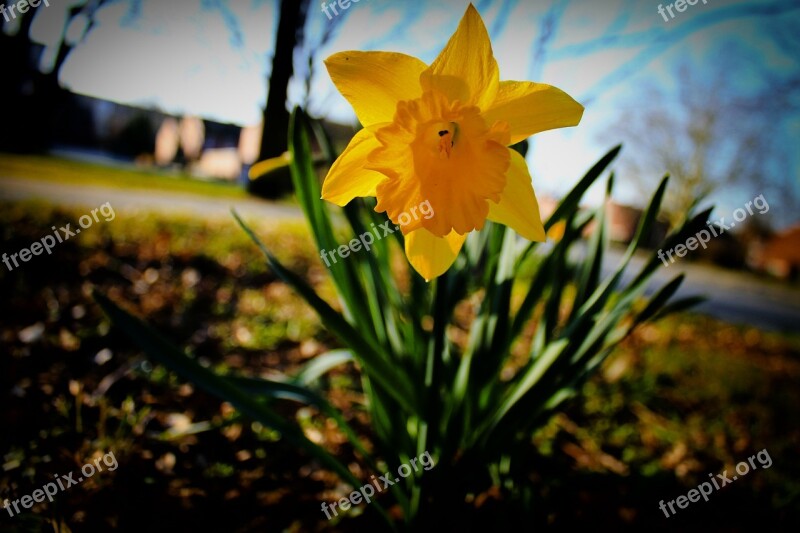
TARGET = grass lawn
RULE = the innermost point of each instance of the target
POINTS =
(50, 168)
(681, 399)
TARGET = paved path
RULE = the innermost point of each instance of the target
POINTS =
(90, 196)
(733, 296)
(739, 297)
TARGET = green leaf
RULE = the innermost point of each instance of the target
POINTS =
(161, 350)
(600, 296)
(660, 299)
(308, 192)
(320, 365)
(593, 265)
(570, 202)
(681, 304)
(291, 391)
(528, 380)
(375, 360)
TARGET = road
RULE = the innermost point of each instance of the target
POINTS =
(732, 296)
(738, 297)
(75, 195)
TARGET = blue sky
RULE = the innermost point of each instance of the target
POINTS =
(207, 57)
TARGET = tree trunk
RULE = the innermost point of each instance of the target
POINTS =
(274, 140)
(34, 98)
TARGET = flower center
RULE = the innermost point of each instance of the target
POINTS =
(442, 152)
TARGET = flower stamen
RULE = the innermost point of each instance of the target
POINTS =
(447, 141)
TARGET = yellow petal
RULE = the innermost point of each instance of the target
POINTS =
(431, 256)
(373, 82)
(348, 178)
(557, 230)
(269, 165)
(466, 69)
(529, 108)
(518, 208)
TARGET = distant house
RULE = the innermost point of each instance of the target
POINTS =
(204, 148)
(623, 221)
(778, 255)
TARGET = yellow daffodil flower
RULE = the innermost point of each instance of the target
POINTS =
(440, 133)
